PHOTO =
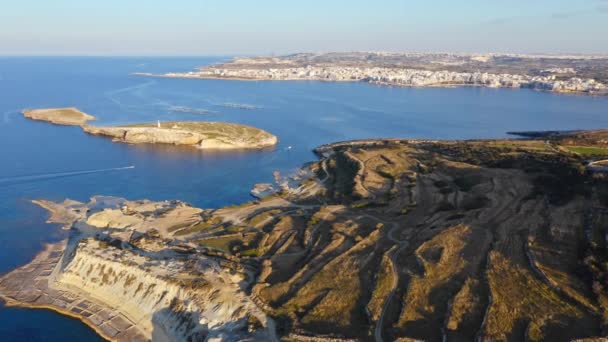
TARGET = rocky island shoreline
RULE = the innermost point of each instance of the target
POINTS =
(386, 239)
(546, 73)
(199, 134)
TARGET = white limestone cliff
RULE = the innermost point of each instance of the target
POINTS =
(172, 299)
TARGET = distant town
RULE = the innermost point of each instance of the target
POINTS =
(562, 74)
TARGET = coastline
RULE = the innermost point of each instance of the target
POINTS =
(10, 303)
(45, 262)
(72, 277)
(28, 287)
(382, 84)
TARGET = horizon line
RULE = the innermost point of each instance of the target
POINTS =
(193, 55)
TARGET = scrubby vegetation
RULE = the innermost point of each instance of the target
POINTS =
(498, 240)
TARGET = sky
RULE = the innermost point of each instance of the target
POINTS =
(265, 27)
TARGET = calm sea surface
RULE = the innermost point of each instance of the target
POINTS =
(40, 160)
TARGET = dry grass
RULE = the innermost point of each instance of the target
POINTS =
(382, 288)
(517, 295)
(331, 299)
(442, 260)
(264, 217)
(467, 308)
(587, 150)
(324, 272)
(233, 243)
(214, 130)
(382, 169)
(199, 227)
(528, 145)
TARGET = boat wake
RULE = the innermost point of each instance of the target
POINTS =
(45, 176)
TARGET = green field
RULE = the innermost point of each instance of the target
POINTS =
(587, 150)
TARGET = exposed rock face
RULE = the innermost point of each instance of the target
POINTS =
(205, 135)
(139, 135)
(60, 116)
(176, 299)
(262, 190)
(121, 260)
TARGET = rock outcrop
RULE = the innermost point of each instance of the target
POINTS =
(262, 190)
(174, 300)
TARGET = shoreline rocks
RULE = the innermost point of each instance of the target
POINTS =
(262, 190)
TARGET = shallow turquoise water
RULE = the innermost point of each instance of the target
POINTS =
(40, 160)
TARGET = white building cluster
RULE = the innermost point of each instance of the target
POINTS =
(402, 77)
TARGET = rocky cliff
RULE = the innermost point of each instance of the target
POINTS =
(173, 300)
(123, 272)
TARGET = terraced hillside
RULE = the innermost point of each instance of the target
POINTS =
(503, 240)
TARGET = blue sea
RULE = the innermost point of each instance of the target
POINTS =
(40, 160)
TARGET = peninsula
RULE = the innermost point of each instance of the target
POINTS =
(384, 239)
(204, 135)
(561, 74)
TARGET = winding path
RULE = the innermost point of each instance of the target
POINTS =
(403, 244)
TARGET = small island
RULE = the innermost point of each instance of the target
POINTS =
(69, 116)
(204, 135)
